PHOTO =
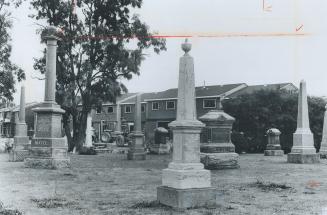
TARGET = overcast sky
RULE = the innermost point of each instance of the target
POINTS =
(221, 60)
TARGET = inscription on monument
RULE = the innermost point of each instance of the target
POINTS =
(43, 126)
(41, 143)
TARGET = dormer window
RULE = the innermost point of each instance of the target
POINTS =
(209, 103)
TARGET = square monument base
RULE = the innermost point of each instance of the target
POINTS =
(303, 158)
(18, 155)
(47, 163)
(274, 153)
(215, 161)
(159, 149)
(136, 155)
(187, 198)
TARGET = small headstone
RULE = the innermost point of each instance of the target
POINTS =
(160, 145)
(273, 147)
(303, 150)
(323, 146)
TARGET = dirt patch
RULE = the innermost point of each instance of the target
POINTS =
(270, 186)
(55, 202)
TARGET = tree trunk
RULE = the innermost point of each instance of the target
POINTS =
(67, 130)
(79, 130)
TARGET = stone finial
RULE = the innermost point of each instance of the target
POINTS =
(186, 46)
(50, 33)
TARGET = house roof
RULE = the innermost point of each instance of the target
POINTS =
(27, 105)
(253, 88)
(121, 98)
(203, 91)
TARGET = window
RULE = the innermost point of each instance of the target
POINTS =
(128, 109)
(143, 108)
(110, 109)
(209, 103)
(99, 110)
(155, 106)
(170, 105)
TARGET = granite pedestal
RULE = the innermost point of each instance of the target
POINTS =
(48, 149)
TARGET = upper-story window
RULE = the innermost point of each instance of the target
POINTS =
(209, 103)
(170, 105)
(110, 109)
(155, 105)
(128, 109)
(99, 110)
(142, 108)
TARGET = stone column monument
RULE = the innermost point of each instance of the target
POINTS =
(49, 147)
(323, 146)
(185, 183)
(303, 150)
(21, 140)
(88, 131)
(273, 147)
(136, 150)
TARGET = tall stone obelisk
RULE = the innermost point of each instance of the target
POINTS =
(21, 140)
(49, 147)
(303, 150)
(323, 145)
(136, 150)
(185, 183)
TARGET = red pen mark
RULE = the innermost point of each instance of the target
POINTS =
(267, 8)
(313, 184)
(299, 28)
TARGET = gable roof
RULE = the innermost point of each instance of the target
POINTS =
(200, 92)
(254, 88)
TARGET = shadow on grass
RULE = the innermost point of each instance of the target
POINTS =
(5, 211)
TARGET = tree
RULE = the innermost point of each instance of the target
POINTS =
(94, 54)
(8, 70)
(257, 112)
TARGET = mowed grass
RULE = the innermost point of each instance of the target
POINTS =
(110, 184)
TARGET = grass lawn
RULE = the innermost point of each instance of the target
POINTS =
(109, 184)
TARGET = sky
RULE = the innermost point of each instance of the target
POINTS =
(271, 53)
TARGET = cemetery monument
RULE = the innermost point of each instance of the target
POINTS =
(185, 183)
(218, 151)
(273, 147)
(323, 146)
(136, 150)
(303, 150)
(49, 147)
(21, 140)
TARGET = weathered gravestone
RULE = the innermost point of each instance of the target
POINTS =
(303, 150)
(323, 146)
(21, 140)
(49, 147)
(136, 150)
(218, 151)
(185, 183)
(273, 147)
(160, 145)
